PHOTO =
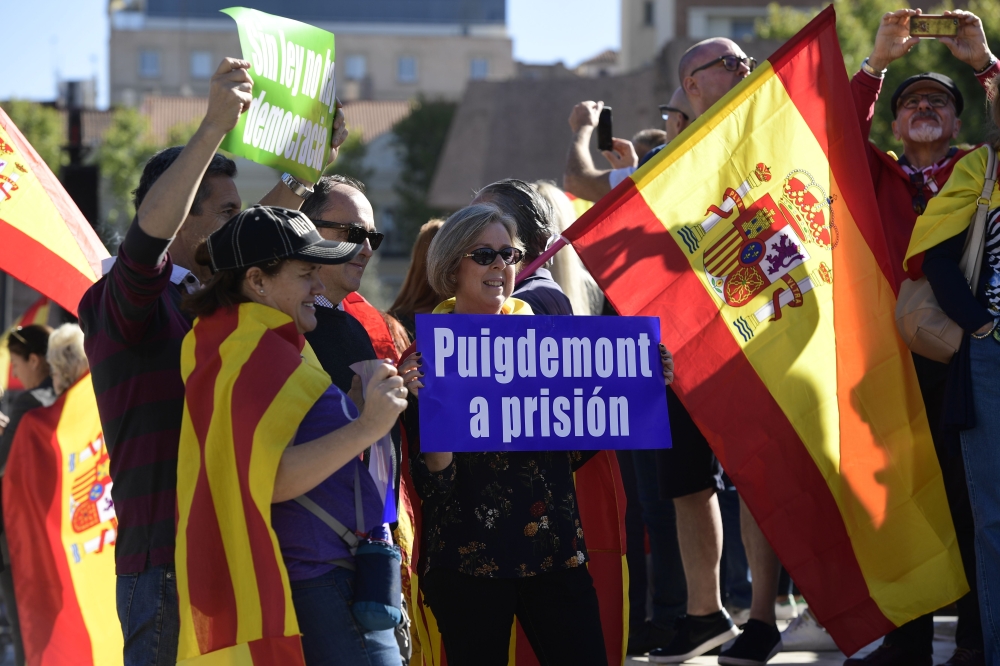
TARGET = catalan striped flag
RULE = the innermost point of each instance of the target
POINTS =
(756, 239)
(37, 313)
(45, 242)
(61, 528)
(249, 380)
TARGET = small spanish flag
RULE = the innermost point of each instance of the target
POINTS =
(757, 241)
(249, 380)
(61, 528)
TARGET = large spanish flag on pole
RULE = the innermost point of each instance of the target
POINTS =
(61, 528)
(247, 389)
(756, 239)
(45, 241)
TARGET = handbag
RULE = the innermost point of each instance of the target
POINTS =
(921, 322)
(378, 587)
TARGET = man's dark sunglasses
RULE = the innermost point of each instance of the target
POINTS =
(666, 109)
(731, 62)
(485, 256)
(355, 232)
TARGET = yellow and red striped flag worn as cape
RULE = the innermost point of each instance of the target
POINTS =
(755, 237)
(249, 380)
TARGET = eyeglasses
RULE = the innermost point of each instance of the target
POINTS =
(16, 332)
(355, 232)
(666, 110)
(732, 63)
(937, 100)
(485, 256)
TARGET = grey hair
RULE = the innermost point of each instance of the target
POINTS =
(456, 237)
(66, 357)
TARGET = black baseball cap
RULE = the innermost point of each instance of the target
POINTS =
(939, 79)
(261, 234)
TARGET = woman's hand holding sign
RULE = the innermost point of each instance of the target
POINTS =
(411, 373)
(667, 359)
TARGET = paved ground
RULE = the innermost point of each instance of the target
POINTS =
(944, 645)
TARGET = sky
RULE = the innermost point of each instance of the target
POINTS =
(48, 40)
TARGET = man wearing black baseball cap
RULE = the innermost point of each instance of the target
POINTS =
(926, 110)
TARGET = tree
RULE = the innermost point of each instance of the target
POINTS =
(857, 22)
(351, 160)
(43, 127)
(121, 156)
(420, 138)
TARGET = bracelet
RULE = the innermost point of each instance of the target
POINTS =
(868, 69)
(993, 61)
(297, 187)
(986, 334)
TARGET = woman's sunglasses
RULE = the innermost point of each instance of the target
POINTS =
(16, 332)
(355, 232)
(485, 256)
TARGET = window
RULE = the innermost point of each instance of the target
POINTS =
(742, 28)
(406, 69)
(201, 65)
(648, 18)
(149, 64)
(356, 67)
(479, 69)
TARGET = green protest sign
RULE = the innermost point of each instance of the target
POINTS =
(290, 120)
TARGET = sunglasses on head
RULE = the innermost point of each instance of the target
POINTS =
(485, 256)
(937, 100)
(16, 332)
(666, 110)
(731, 62)
(355, 232)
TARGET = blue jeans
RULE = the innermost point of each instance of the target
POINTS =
(981, 450)
(149, 615)
(330, 634)
(669, 585)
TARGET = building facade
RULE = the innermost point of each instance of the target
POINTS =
(648, 25)
(172, 47)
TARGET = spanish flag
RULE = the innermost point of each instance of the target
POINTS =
(45, 242)
(61, 528)
(756, 239)
(249, 380)
(37, 313)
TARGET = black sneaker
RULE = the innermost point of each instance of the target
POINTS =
(891, 655)
(756, 645)
(648, 637)
(695, 635)
(966, 657)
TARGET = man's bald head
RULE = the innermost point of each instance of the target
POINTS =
(704, 76)
(704, 51)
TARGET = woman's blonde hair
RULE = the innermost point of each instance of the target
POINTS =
(66, 357)
(567, 269)
(456, 237)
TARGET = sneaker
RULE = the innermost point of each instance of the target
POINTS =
(966, 657)
(695, 635)
(785, 608)
(890, 655)
(756, 645)
(740, 616)
(648, 637)
(805, 634)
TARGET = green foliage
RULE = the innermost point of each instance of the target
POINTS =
(181, 133)
(857, 23)
(43, 127)
(420, 137)
(351, 160)
(121, 157)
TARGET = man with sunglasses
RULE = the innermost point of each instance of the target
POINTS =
(926, 110)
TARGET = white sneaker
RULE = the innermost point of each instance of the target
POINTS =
(740, 615)
(786, 609)
(804, 634)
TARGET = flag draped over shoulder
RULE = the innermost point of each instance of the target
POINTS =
(61, 528)
(249, 381)
(45, 242)
(37, 313)
(755, 237)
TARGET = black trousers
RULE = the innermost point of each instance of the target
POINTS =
(917, 636)
(635, 543)
(558, 612)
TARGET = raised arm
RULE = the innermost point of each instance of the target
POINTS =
(168, 202)
(582, 178)
(969, 45)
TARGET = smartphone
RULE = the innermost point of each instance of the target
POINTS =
(604, 130)
(931, 25)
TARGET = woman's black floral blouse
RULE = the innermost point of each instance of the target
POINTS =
(501, 515)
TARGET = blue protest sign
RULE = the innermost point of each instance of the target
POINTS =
(508, 383)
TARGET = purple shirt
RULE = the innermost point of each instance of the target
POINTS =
(307, 543)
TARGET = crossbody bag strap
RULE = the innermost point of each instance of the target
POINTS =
(315, 509)
(972, 255)
(359, 510)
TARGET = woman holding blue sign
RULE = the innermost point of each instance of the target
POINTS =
(502, 536)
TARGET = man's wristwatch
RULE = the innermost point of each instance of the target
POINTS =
(296, 186)
(993, 61)
(868, 69)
